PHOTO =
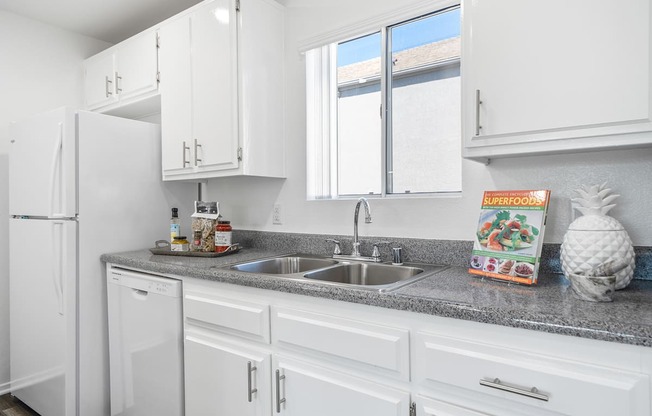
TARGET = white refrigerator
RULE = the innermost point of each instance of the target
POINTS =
(80, 184)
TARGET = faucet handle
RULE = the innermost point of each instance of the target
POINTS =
(338, 249)
(375, 254)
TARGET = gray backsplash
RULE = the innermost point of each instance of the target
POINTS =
(448, 252)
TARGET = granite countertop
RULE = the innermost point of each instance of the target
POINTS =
(452, 293)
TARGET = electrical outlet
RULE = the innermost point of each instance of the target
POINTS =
(276, 215)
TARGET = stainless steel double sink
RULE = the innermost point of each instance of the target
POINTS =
(340, 272)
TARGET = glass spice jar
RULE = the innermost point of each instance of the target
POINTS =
(180, 244)
(223, 233)
(196, 241)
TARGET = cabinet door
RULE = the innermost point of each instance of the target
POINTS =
(571, 75)
(221, 379)
(261, 87)
(136, 66)
(214, 80)
(98, 83)
(176, 94)
(302, 389)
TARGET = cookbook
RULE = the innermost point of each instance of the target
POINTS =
(509, 236)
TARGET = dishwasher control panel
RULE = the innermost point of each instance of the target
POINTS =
(145, 282)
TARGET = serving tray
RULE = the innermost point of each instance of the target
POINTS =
(163, 248)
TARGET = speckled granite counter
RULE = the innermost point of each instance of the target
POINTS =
(452, 293)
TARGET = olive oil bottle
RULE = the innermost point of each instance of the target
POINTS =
(175, 227)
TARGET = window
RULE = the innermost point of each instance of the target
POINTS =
(383, 111)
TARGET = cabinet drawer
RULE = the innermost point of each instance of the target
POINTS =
(382, 347)
(564, 386)
(247, 319)
(430, 407)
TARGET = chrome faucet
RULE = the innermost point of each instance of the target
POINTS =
(367, 219)
(355, 253)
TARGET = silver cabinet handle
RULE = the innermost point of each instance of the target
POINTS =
(478, 101)
(250, 369)
(185, 162)
(117, 84)
(279, 401)
(106, 86)
(497, 384)
(197, 160)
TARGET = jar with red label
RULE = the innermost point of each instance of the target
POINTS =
(223, 232)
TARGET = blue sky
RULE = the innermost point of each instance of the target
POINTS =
(420, 32)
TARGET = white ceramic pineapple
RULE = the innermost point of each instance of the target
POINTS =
(595, 237)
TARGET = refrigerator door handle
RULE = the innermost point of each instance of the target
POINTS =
(57, 258)
(53, 171)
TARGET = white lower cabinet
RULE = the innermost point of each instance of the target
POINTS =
(256, 352)
(527, 383)
(225, 379)
(303, 389)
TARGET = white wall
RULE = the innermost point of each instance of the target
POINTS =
(40, 69)
(248, 202)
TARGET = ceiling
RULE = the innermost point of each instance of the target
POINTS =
(109, 20)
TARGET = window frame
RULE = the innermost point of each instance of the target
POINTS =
(327, 188)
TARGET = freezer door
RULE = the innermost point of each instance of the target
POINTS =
(42, 153)
(42, 311)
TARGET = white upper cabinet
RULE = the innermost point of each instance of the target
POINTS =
(199, 100)
(222, 91)
(550, 77)
(122, 75)
(136, 64)
(98, 81)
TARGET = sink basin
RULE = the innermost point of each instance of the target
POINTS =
(284, 265)
(345, 273)
(365, 274)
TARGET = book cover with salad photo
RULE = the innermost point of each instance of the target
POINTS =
(509, 235)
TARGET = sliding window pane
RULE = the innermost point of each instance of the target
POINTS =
(423, 149)
(359, 139)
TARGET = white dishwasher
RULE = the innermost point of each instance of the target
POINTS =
(145, 344)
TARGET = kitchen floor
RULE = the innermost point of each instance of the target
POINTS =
(11, 406)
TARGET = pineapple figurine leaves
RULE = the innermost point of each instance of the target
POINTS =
(595, 237)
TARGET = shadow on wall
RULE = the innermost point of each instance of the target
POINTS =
(246, 201)
(626, 172)
(4, 269)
